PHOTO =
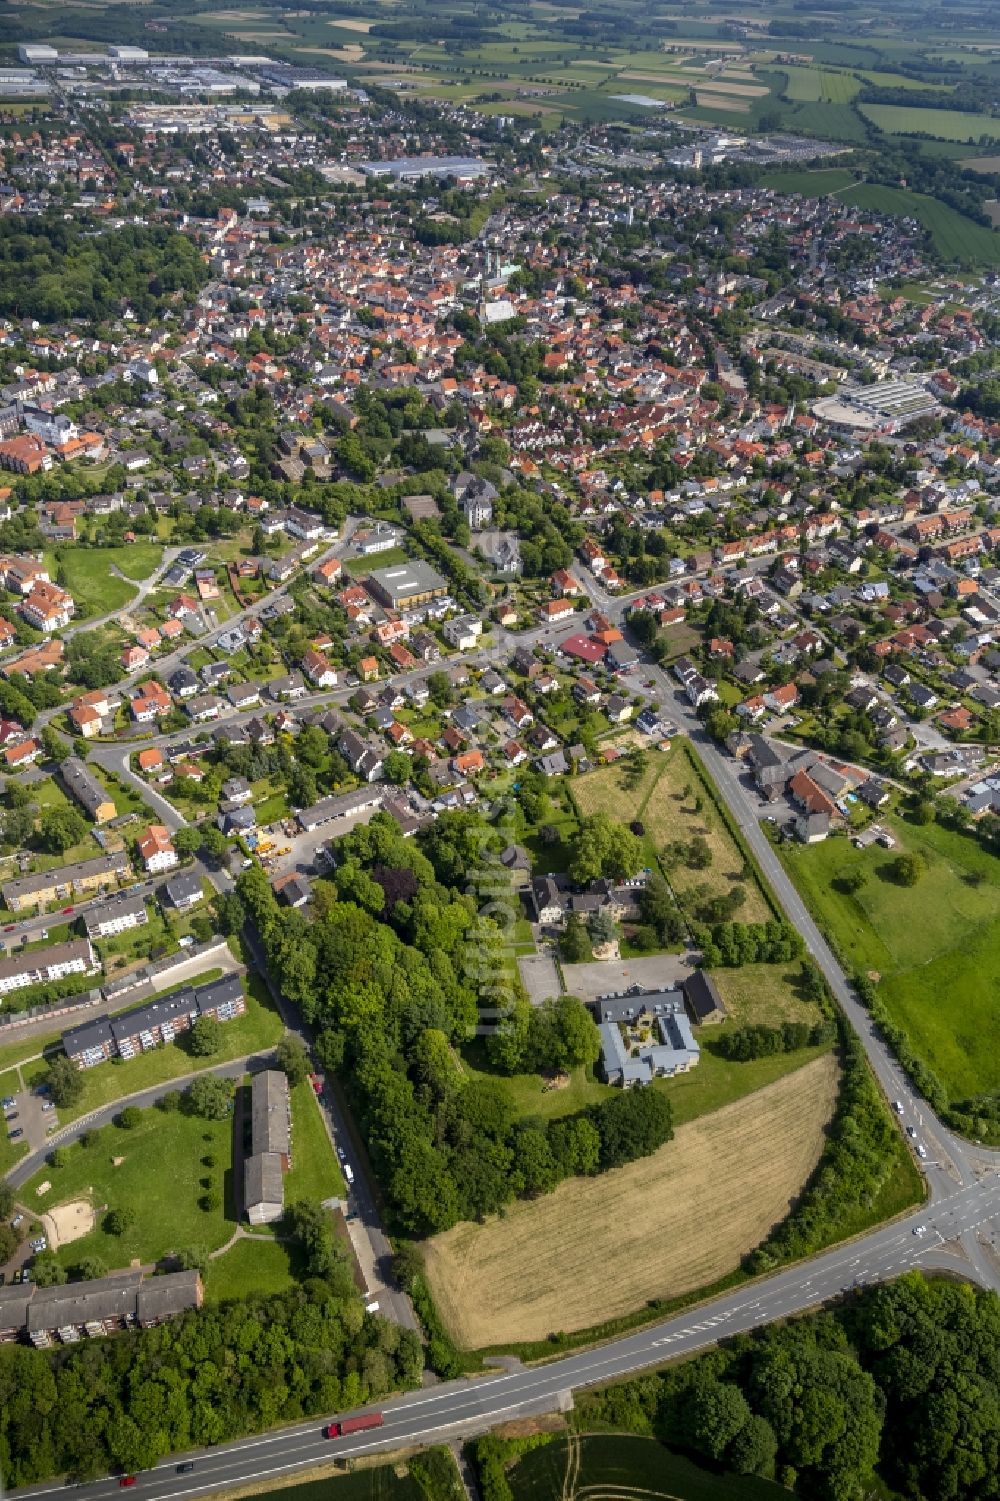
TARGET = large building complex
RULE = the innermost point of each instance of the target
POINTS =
(43, 966)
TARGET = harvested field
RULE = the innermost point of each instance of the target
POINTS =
(980, 163)
(352, 53)
(345, 24)
(691, 1211)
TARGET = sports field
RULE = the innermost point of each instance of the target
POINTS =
(668, 1223)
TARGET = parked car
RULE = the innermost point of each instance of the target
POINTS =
(48, 1105)
(7, 1101)
(15, 1135)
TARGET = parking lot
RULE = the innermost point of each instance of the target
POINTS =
(602, 976)
(33, 1118)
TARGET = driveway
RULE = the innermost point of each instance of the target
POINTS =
(601, 977)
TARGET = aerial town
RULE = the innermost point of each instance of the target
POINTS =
(499, 767)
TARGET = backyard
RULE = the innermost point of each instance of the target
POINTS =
(935, 946)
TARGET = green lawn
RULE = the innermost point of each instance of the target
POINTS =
(259, 1264)
(626, 1465)
(315, 1172)
(158, 1172)
(936, 946)
(86, 573)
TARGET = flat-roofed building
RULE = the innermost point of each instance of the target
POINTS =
(404, 585)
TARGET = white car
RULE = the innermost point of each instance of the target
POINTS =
(920, 1229)
(897, 1105)
(921, 1149)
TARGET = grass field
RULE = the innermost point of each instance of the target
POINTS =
(86, 573)
(624, 1465)
(658, 800)
(948, 124)
(936, 945)
(315, 1172)
(258, 1264)
(691, 1211)
(955, 237)
(158, 1171)
(810, 184)
(671, 814)
(811, 85)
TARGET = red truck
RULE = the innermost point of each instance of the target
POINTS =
(353, 1425)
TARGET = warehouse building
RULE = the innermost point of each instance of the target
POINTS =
(404, 585)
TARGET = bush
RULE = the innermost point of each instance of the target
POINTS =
(210, 1201)
(118, 1221)
(130, 1118)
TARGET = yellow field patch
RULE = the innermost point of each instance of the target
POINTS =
(722, 101)
(598, 1248)
(352, 25)
(352, 53)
